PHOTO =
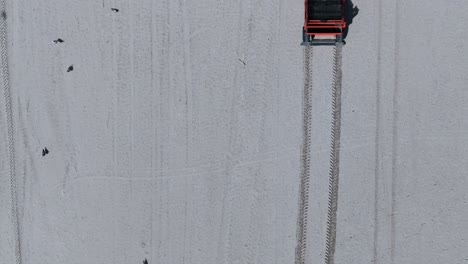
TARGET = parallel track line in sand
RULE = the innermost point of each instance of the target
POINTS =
(11, 142)
(378, 139)
(301, 246)
(334, 157)
(395, 134)
(305, 159)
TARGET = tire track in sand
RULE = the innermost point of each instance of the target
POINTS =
(378, 128)
(395, 129)
(10, 130)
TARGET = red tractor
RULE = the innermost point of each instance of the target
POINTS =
(324, 22)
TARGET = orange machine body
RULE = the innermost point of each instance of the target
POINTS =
(324, 22)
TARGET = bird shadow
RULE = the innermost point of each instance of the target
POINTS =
(350, 11)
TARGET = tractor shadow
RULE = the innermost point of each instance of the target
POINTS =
(350, 11)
